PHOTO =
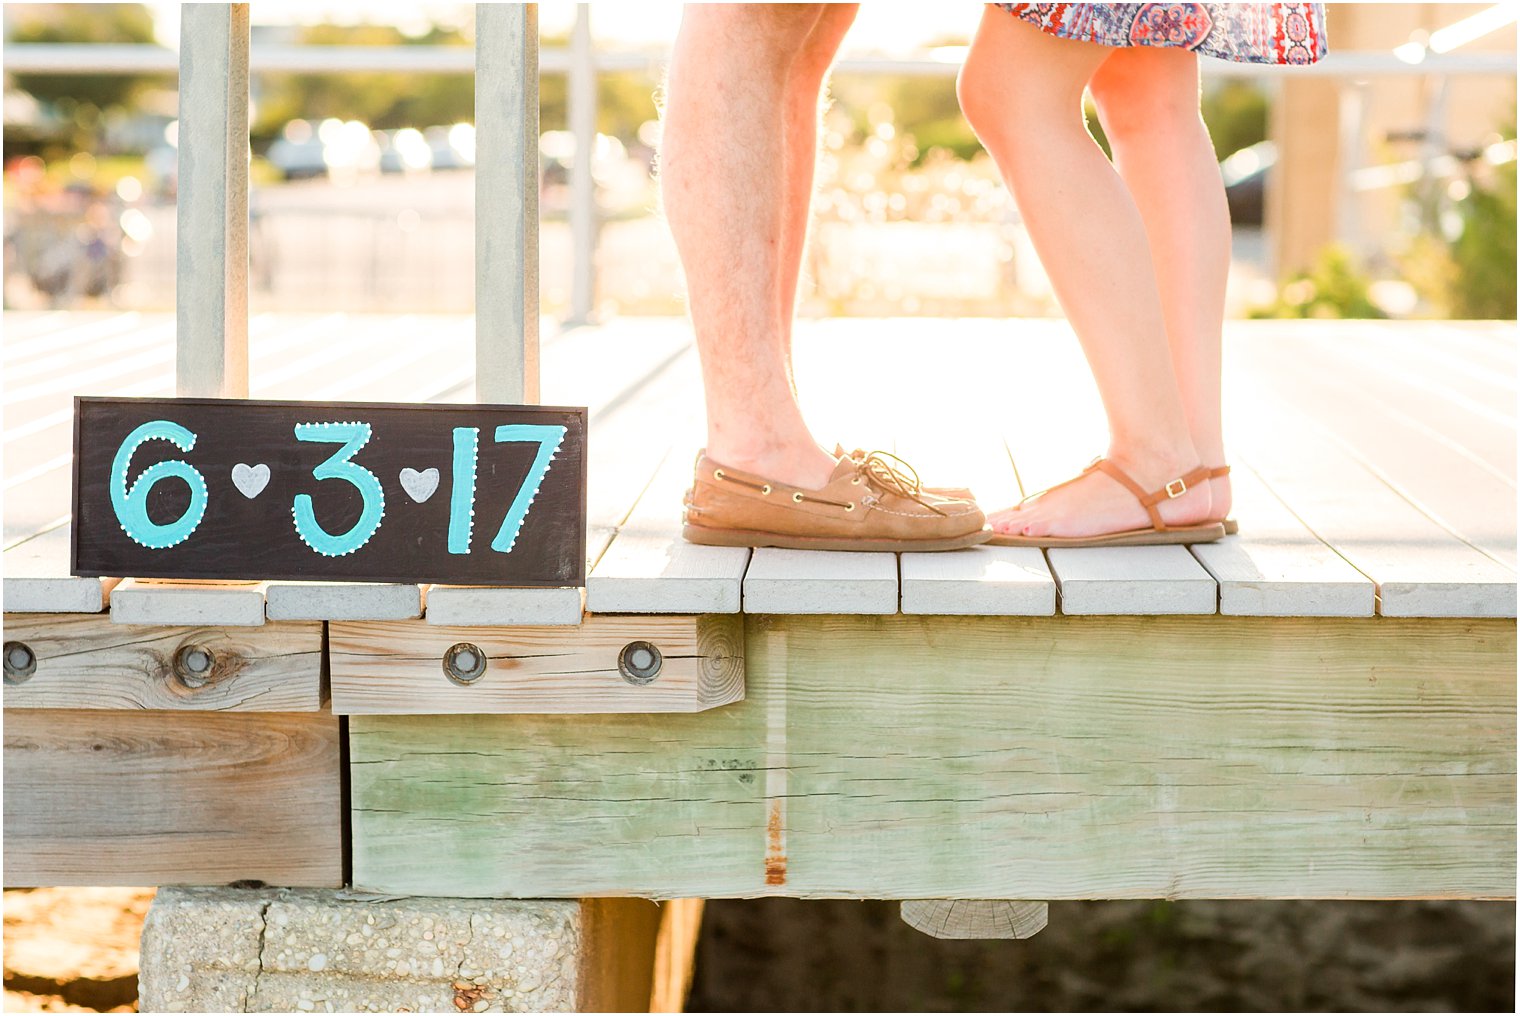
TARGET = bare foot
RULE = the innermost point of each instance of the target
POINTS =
(1219, 491)
(1097, 504)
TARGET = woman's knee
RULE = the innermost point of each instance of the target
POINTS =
(1146, 97)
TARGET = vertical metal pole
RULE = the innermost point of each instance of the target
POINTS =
(506, 202)
(211, 273)
(583, 211)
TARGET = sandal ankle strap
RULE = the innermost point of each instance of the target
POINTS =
(1149, 500)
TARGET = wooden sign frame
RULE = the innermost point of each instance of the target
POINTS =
(329, 491)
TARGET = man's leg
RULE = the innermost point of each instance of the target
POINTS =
(723, 174)
(804, 90)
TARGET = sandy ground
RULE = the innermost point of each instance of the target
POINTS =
(73, 950)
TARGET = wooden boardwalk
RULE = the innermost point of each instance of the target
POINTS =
(1375, 466)
(1320, 706)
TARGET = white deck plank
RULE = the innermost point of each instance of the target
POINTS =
(978, 580)
(37, 579)
(1277, 568)
(1132, 580)
(1054, 426)
(1429, 468)
(1420, 568)
(504, 605)
(820, 582)
(968, 451)
(143, 601)
(651, 569)
(342, 601)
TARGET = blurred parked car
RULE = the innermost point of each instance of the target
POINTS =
(1245, 182)
(452, 147)
(403, 151)
(334, 148)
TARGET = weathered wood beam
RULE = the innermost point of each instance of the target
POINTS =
(171, 798)
(86, 661)
(608, 664)
(987, 758)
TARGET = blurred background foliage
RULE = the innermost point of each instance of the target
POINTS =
(895, 152)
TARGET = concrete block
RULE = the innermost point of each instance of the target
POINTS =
(287, 950)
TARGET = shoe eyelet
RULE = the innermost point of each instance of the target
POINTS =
(797, 497)
(855, 481)
(717, 474)
(850, 507)
(765, 489)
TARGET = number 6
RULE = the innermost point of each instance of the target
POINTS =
(132, 505)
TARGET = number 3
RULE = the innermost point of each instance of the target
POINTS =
(353, 436)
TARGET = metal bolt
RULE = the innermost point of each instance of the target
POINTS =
(640, 662)
(20, 662)
(464, 663)
(193, 665)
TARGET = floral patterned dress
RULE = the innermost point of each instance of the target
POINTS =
(1245, 33)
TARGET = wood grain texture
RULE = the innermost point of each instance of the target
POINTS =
(85, 661)
(398, 667)
(151, 601)
(1132, 580)
(976, 919)
(820, 582)
(1276, 567)
(987, 758)
(161, 798)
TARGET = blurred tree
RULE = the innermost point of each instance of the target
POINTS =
(378, 99)
(1236, 113)
(1483, 256)
(83, 99)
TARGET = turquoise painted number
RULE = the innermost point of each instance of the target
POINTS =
(131, 504)
(353, 436)
(548, 438)
(462, 500)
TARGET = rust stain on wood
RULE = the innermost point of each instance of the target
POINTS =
(775, 853)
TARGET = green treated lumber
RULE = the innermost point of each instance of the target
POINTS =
(986, 758)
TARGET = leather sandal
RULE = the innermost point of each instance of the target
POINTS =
(873, 503)
(1158, 533)
(1231, 527)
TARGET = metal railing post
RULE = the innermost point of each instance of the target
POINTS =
(506, 203)
(211, 273)
(583, 211)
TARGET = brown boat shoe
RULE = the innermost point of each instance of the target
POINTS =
(957, 493)
(873, 503)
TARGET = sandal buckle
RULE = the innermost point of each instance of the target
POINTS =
(1176, 488)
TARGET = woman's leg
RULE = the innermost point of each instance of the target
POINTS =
(1022, 90)
(1148, 102)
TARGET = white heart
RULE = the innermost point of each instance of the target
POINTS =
(250, 480)
(419, 486)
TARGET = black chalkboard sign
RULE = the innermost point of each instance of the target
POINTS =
(347, 491)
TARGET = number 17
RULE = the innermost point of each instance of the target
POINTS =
(466, 458)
